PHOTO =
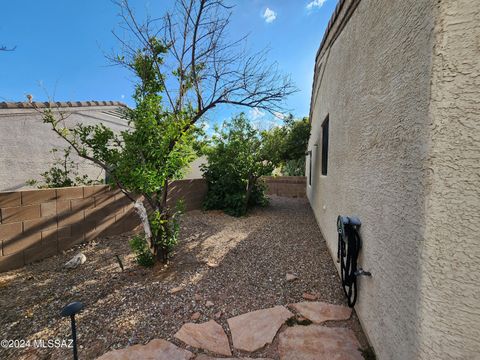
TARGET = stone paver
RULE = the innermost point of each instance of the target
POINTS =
(317, 342)
(254, 330)
(206, 357)
(308, 296)
(319, 312)
(208, 336)
(156, 349)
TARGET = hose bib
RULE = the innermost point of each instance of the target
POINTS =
(349, 245)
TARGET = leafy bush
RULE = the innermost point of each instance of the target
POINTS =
(140, 248)
(288, 145)
(236, 161)
(184, 70)
(63, 173)
(295, 167)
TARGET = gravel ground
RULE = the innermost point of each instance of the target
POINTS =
(238, 264)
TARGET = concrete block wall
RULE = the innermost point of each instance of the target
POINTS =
(36, 224)
(191, 191)
(287, 186)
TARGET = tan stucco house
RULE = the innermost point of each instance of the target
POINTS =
(395, 141)
(26, 142)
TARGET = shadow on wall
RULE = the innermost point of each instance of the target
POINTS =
(36, 224)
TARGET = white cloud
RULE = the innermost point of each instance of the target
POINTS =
(255, 113)
(279, 115)
(315, 4)
(269, 15)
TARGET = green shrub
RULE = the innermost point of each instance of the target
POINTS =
(165, 230)
(236, 161)
(288, 144)
(143, 255)
(63, 173)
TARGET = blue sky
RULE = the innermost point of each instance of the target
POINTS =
(61, 46)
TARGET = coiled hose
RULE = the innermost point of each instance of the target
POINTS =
(349, 245)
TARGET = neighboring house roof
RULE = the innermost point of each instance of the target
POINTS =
(93, 109)
(26, 142)
(58, 104)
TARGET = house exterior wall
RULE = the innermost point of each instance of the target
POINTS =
(450, 263)
(373, 82)
(400, 84)
(26, 142)
(194, 170)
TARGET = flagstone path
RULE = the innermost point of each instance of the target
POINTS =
(255, 330)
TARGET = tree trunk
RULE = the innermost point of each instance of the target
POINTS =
(162, 251)
(250, 184)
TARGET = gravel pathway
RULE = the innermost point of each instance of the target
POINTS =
(222, 267)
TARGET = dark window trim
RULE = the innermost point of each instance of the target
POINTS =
(325, 141)
(310, 168)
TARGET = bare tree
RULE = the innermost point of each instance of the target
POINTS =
(187, 65)
(209, 69)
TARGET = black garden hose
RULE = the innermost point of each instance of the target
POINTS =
(349, 245)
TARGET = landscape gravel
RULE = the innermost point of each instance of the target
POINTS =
(236, 264)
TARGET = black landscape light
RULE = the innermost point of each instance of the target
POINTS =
(70, 310)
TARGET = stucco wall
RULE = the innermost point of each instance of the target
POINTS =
(450, 290)
(25, 143)
(374, 83)
(194, 170)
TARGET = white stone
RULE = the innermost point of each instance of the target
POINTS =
(76, 261)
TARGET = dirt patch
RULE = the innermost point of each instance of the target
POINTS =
(238, 264)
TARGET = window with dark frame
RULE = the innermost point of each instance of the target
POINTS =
(325, 146)
(310, 168)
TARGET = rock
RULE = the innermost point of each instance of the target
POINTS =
(254, 330)
(318, 342)
(218, 315)
(175, 290)
(197, 297)
(156, 349)
(207, 336)
(206, 357)
(76, 261)
(195, 316)
(212, 264)
(291, 277)
(308, 296)
(209, 304)
(319, 312)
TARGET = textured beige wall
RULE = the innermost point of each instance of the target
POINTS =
(450, 297)
(194, 170)
(376, 90)
(25, 143)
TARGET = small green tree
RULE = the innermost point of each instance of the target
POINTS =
(63, 173)
(236, 161)
(289, 143)
(185, 68)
